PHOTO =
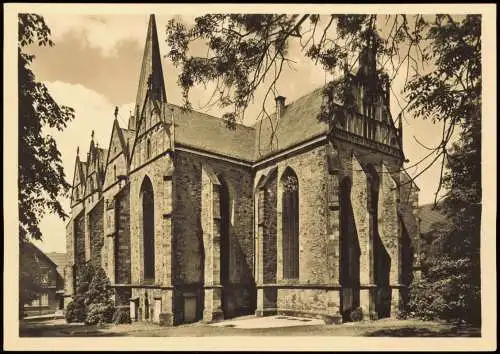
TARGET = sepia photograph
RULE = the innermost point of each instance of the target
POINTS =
(303, 173)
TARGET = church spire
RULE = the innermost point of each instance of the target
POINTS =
(151, 78)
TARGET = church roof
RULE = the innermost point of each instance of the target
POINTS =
(297, 124)
(199, 130)
(205, 132)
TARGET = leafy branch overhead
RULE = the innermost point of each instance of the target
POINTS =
(238, 54)
(41, 175)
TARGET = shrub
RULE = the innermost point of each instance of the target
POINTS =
(449, 296)
(99, 289)
(121, 315)
(402, 315)
(84, 275)
(93, 302)
(76, 311)
(99, 313)
(356, 314)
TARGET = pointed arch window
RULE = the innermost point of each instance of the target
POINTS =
(148, 148)
(290, 224)
(114, 171)
(148, 229)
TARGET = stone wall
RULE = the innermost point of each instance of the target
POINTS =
(79, 237)
(96, 229)
(310, 168)
(192, 221)
(157, 298)
(317, 303)
(117, 161)
(269, 249)
(122, 237)
(159, 173)
(70, 259)
(316, 292)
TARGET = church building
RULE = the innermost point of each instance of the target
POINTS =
(193, 221)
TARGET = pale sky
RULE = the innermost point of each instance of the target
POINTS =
(95, 64)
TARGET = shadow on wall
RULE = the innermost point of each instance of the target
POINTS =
(407, 262)
(382, 260)
(382, 277)
(200, 298)
(350, 253)
(244, 295)
(238, 298)
(188, 256)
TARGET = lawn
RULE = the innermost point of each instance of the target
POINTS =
(381, 328)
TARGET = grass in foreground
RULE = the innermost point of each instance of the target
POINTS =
(381, 328)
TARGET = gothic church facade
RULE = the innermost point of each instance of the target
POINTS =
(193, 221)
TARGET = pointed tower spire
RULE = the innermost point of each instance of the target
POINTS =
(78, 151)
(151, 78)
(116, 112)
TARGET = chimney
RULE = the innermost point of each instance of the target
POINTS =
(280, 106)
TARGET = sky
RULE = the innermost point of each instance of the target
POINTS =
(95, 65)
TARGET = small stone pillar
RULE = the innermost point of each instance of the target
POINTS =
(390, 231)
(361, 202)
(266, 295)
(367, 301)
(213, 301)
(133, 309)
(211, 241)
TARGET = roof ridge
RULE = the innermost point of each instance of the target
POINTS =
(293, 102)
(211, 116)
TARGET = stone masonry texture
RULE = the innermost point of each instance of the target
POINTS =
(208, 183)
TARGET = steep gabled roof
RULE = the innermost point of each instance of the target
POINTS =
(122, 134)
(78, 173)
(102, 156)
(60, 260)
(298, 123)
(26, 247)
(205, 132)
